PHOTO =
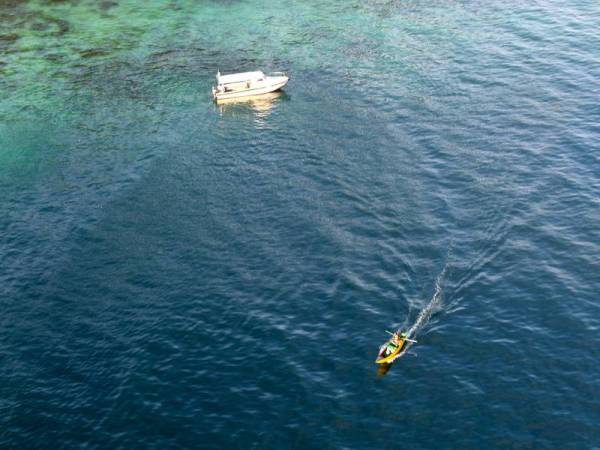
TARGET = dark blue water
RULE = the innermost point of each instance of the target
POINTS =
(177, 274)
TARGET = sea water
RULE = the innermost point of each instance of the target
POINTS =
(180, 274)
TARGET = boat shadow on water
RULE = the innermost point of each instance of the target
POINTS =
(383, 369)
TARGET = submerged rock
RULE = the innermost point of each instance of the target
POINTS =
(9, 37)
(106, 5)
(93, 52)
(39, 26)
(8, 3)
(63, 26)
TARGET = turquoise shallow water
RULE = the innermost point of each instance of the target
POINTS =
(179, 274)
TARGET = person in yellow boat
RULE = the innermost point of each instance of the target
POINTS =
(395, 342)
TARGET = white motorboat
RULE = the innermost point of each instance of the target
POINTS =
(247, 83)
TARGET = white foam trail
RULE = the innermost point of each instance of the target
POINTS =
(426, 312)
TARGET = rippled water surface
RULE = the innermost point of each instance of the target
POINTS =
(177, 274)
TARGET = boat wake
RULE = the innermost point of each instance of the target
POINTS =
(426, 313)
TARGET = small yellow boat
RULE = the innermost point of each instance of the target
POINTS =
(389, 351)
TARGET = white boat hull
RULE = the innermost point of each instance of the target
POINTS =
(263, 88)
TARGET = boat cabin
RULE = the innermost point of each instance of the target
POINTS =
(239, 81)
